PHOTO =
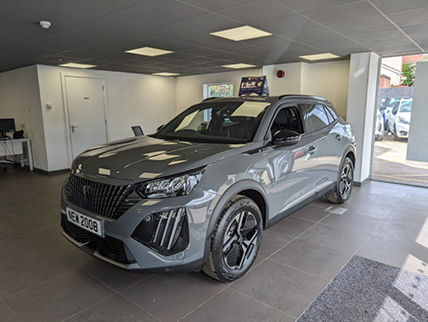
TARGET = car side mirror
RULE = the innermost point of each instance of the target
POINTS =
(286, 138)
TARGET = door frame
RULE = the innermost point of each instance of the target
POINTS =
(67, 110)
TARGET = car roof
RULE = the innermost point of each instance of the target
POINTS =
(269, 99)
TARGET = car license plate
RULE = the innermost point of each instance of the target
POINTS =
(90, 224)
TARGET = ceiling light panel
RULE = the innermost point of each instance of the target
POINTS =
(149, 51)
(241, 33)
(320, 56)
(75, 65)
(238, 66)
(166, 74)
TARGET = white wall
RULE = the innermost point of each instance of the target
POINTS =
(328, 79)
(20, 99)
(391, 66)
(131, 99)
(189, 89)
(363, 80)
(289, 84)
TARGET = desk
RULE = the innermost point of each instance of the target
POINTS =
(18, 147)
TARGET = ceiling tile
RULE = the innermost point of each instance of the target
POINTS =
(412, 17)
(416, 29)
(391, 6)
(208, 23)
(202, 51)
(343, 13)
(344, 50)
(164, 10)
(232, 46)
(308, 34)
(274, 43)
(376, 34)
(171, 32)
(310, 5)
(205, 40)
(365, 25)
(298, 49)
(215, 5)
(256, 11)
(285, 24)
(327, 43)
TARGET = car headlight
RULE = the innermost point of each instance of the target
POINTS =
(171, 187)
(402, 120)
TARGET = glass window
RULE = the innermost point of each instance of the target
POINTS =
(228, 122)
(317, 116)
(219, 90)
(332, 112)
(406, 106)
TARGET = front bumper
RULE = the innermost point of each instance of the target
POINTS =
(402, 130)
(121, 249)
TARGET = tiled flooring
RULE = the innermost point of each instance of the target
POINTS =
(45, 278)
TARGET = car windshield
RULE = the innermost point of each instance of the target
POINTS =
(406, 106)
(220, 122)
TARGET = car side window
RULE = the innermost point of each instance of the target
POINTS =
(316, 117)
(287, 118)
(395, 109)
(332, 112)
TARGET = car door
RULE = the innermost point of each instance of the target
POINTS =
(293, 169)
(392, 116)
(328, 135)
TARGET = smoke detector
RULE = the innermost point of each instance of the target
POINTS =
(45, 24)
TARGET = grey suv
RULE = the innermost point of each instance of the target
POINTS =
(199, 193)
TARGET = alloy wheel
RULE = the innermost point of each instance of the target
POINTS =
(346, 178)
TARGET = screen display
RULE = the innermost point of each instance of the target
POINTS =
(7, 125)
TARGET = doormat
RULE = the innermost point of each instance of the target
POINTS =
(366, 290)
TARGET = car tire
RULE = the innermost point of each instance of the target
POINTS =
(235, 241)
(342, 192)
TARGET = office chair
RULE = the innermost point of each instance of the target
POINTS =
(137, 130)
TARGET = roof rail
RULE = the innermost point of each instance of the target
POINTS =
(301, 96)
(210, 98)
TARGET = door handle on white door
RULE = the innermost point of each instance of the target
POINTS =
(74, 127)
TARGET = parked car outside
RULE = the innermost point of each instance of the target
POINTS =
(387, 106)
(198, 193)
(399, 119)
(379, 126)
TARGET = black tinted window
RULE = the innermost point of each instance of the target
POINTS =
(317, 116)
(331, 111)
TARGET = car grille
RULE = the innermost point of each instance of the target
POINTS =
(167, 232)
(104, 199)
(108, 246)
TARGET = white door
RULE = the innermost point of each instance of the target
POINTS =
(86, 114)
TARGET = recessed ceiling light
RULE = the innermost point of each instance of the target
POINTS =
(165, 74)
(75, 65)
(149, 51)
(319, 56)
(238, 66)
(241, 33)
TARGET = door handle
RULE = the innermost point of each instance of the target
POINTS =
(74, 127)
(338, 137)
(312, 150)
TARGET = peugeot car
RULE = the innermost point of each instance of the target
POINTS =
(399, 119)
(198, 193)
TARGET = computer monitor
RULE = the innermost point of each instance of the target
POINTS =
(6, 125)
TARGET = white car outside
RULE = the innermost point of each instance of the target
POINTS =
(399, 119)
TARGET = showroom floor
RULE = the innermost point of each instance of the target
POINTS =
(45, 278)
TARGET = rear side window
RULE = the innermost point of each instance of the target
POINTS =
(332, 112)
(316, 117)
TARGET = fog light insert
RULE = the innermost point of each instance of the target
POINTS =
(166, 232)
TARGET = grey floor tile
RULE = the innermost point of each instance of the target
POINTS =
(287, 289)
(53, 238)
(171, 297)
(10, 230)
(230, 305)
(366, 209)
(344, 240)
(379, 200)
(403, 230)
(311, 213)
(29, 263)
(402, 254)
(410, 215)
(116, 278)
(351, 221)
(271, 242)
(291, 227)
(113, 309)
(58, 298)
(321, 202)
(315, 259)
(6, 314)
